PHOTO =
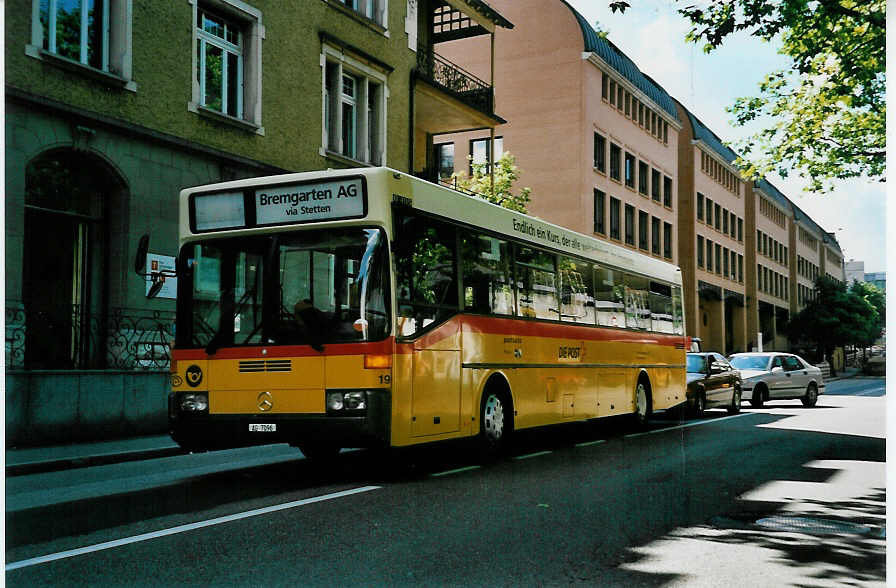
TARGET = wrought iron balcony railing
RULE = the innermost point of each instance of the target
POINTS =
(71, 338)
(452, 78)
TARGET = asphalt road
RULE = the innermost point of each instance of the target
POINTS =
(781, 495)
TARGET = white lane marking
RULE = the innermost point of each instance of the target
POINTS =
(457, 471)
(528, 455)
(694, 424)
(588, 443)
(182, 528)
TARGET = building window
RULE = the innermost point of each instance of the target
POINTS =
(718, 217)
(640, 114)
(667, 191)
(630, 170)
(642, 178)
(600, 153)
(667, 240)
(94, 33)
(699, 206)
(445, 159)
(604, 83)
(354, 108)
(740, 269)
(725, 262)
(615, 163)
(599, 212)
(655, 184)
(612, 92)
(725, 221)
(709, 212)
(227, 62)
(375, 10)
(629, 224)
(643, 229)
(718, 259)
(480, 152)
(708, 255)
(699, 250)
(655, 235)
(614, 218)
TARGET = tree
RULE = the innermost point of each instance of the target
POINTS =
(835, 317)
(877, 299)
(506, 174)
(825, 117)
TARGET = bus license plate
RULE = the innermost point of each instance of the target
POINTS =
(262, 428)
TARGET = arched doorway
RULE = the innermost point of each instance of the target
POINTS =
(65, 243)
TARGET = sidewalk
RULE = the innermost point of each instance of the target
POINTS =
(32, 460)
(53, 458)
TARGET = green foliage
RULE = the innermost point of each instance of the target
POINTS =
(825, 117)
(506, 174)
(837, 316)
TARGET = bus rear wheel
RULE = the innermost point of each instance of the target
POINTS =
(495, 420)
(643, 404)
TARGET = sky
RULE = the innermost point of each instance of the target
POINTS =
(651, 33)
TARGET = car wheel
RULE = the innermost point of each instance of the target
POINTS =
(811, 396)
(643, 405)
(699, 403)
(735, 402)
(759, 394)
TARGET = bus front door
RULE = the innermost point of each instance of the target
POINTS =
(435, 395)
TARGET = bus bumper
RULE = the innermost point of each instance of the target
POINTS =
(198, 430)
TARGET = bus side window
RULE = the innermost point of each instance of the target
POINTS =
(677, 311)
(576, 293)
(536, 284)
(487, 280)
(426, 272)
(637, 309)
(609, 290)
(661, 311)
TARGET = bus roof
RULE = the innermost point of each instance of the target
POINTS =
(451, 204)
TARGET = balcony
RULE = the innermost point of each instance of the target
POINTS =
(438, 71)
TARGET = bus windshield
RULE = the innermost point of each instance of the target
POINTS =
(310, 287)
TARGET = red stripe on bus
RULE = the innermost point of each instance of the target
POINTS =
(255, 352)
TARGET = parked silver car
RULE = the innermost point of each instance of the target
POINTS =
(777, 376)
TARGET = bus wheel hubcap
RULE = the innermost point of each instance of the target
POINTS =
(642, 400)
(493, 417)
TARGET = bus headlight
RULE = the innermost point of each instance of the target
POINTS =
(194, 402)
(346, 401)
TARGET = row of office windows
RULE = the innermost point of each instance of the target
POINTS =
(771, 211)
(807, 239)
(725, 221)
(479, 153)
(806, 268)
(805, 294)
(728, 263)
(227, 75)
(771, 248)
(651, 231)
(717, 171)
(660, 185)
(443, 269)
(772, 283)
(629, 106)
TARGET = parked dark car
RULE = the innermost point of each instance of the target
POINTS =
(712, 381)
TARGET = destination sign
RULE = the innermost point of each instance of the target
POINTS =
(224, 210)
(299, 203)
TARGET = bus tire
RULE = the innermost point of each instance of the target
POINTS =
(495, 418)
(643, 402)
(759, 395)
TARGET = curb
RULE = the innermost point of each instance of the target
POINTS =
(68, 463)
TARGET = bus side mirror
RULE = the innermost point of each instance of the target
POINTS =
(155, 288)
(140, 259)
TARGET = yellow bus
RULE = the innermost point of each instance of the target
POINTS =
(366, 307)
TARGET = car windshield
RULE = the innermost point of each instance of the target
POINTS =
(750, 362)
(696, 364)
(307, 287)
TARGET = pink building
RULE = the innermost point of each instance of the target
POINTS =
(595, 139)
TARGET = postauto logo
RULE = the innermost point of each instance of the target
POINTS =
(194, 376)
